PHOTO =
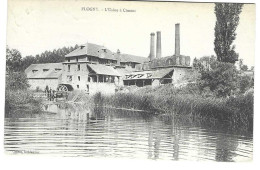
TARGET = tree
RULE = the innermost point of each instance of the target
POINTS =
(13, 60)
(220, 79)
(242, 66)
(27, 61)
(227, 15)
(203, 62)
(16, 81)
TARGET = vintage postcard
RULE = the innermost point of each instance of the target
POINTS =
(130, 80)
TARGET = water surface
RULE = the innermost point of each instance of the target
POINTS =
(76, 130)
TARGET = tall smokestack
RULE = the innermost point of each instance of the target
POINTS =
(177, 39)
(151, 56)
(158, 45)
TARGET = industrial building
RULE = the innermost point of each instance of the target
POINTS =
(94, 68)
(161, 70)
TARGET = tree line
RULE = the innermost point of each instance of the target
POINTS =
(16, 63)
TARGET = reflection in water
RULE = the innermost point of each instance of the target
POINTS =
(78, 130)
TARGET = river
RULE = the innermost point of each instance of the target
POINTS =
(77, 130)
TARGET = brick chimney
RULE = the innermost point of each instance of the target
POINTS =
(158, 45)
(151, 56)
(177, 39)
(118, 53)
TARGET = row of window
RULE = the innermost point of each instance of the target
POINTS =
(96, 78)
(69, 78)
(101, 61)
(69, 67)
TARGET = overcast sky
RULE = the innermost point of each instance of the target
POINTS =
(36, 26)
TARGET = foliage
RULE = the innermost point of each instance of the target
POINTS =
(13, 60)
(16, 81)
(203, 62)
(220, 79)
(227, 15)
(27, 61)
(242, 66)
(55, 56)
(245, 83)
(188, 102)
(20, 99)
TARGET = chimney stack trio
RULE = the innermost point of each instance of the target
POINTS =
(159, 45)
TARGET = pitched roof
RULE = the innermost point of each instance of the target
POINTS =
(36, 71)
(161, 73)
(103, 69)
(92, 50)
(132, 58)
(98, 51)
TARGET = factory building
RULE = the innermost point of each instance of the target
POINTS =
(161, 70)
(94, 68)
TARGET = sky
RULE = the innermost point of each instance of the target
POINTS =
(36, 26)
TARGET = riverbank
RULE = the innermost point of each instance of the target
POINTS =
(16, 100)
(187, 101)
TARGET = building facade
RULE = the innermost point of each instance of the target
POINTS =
(42, 75)
(94, 68)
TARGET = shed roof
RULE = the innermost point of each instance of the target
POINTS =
(52, 71)
(151, 74)
(103, 69)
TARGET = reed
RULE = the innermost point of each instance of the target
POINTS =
(187, 101)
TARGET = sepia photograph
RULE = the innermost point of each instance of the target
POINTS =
(134, 80)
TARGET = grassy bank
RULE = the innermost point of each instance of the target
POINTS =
(16, 100)
(187, 101)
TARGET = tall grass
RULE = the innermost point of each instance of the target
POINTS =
(20, 100)
(187, 101)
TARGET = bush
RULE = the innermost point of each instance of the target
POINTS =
(220, 79)
(20, 99)
(245, 83)
(16, 81)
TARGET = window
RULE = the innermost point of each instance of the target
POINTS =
(34, 71)
(69, 78)
(78, 86)
(77, 59)
(87, 88)
(68, 68)
(78, 67)
(79, 78)
(44, 70)
(57, 70)
(68, 59)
